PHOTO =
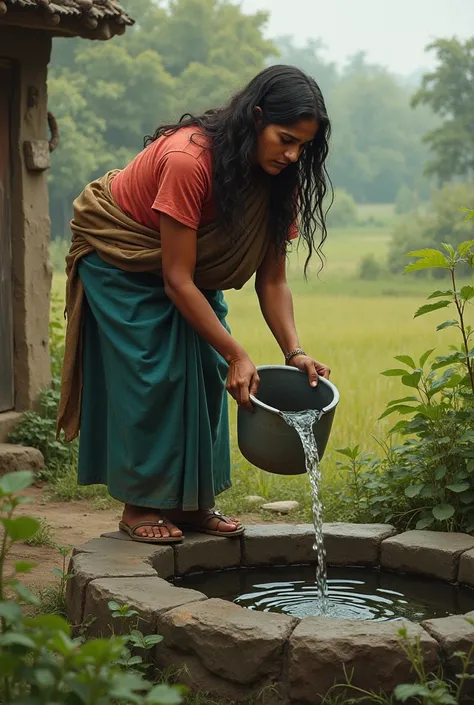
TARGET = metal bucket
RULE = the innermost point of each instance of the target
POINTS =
(264, 438)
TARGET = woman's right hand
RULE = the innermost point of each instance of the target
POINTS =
(242, 380)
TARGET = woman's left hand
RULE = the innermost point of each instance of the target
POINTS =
(313, 368)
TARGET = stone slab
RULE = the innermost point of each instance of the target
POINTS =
(17, 457)
(466, 568)
(8, 421)
(86, 567)
(278, 544)
(160, 557)
(432, 553)
(355, 544)
(203, 552)
(453, 634)
(321, 648)
(239, 645)
(149, 596)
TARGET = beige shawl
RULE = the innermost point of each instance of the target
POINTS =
(223, 262)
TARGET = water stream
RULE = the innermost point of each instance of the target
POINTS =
(303, 422)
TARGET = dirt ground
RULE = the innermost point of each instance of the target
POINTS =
(72, 523)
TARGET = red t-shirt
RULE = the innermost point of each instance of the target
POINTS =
(173, 175)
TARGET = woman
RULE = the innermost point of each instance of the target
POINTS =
(208, 203)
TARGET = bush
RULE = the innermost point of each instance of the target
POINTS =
(406, 201)
(343, 212)
(428, 480)
(369, 268)
(445, 223)
(39, 660)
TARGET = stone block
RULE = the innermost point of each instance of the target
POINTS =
(239, 645)
(466, 568)
(86, 567)
(321, 648)
(8, 421)
(433, 553)
(160, 557)
(453, 634)
(149, 596)
(355, 544)
(203, 552)
(16, 457)
(36, 155)
(278, 544)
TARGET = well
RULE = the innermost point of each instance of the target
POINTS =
(236, 653)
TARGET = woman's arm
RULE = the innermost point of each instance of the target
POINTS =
(178, 244)
(276, 303)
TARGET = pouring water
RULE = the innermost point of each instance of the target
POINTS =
(303, 422)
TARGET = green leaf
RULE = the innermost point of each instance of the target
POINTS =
(24, 566)
(405, 691)
(440, 472)
(25, 594)
(467, 293)
(438, 294)
(164, 694)
(442, 511)
(425, 356)
(412, 380)
(17, 639)
(52, 622)
(401, 401)
(406, 360)
(394, 373)
(21, 528)
(458, 487)
(16, 481)
(427, 308)
(44, 678)
(447, 324)
(423, 523)
(400, 408)
(10, 611)
(413, 490)
(58, 572)
(464, 247)
(432, 259)
(112, 605)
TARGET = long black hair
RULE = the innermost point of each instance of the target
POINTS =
(285, 95)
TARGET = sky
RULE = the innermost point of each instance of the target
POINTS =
(393, 33)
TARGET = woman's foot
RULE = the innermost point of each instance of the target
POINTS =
(133, 515)
(207, 520)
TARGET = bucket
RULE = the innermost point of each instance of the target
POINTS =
(264, 438)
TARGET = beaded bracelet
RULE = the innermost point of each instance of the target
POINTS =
(289, 356)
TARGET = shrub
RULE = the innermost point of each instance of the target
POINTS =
(428, 480)
(343, 212)
(369, 268)
(39, 660)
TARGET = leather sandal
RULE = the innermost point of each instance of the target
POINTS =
(130, 530)
(202, 527)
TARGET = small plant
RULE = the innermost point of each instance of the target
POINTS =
(42, 537)
(427, 481)
(39, 660)
(427, 689)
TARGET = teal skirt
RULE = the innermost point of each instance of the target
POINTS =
(154, 417)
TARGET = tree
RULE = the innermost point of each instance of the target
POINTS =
(449, 91)
(309, 58)
(189, 55)
(445, 222)
(376, 136)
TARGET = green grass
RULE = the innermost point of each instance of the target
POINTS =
(356, 327)
(43, 536)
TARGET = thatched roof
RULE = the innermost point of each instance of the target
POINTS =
(95, 19)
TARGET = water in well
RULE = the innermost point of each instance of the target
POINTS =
(352, 593)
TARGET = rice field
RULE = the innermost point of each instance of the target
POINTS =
(356, 327)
